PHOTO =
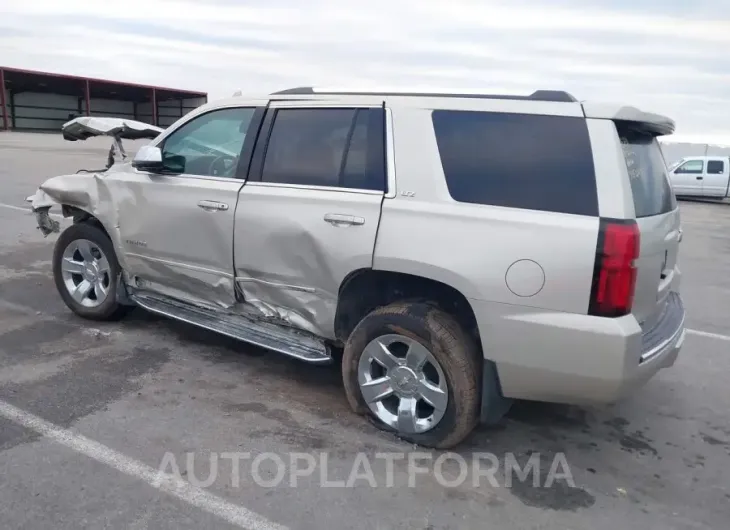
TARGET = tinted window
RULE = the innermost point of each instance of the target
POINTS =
(325, 147)
(517, 160)
(647, 172)
(692, 166)
(354, 164)
(715, 167)
(209, 145)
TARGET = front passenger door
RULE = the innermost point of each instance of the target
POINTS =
(178, 224)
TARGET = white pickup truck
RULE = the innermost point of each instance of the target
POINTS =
(701, 176)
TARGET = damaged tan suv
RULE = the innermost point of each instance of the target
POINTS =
(457, 250)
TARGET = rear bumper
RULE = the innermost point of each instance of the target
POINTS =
(577, 359)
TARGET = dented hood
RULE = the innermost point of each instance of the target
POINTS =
(87, 127)
(80, 190)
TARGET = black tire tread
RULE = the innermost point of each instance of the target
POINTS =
(110, 309)
(455, 350)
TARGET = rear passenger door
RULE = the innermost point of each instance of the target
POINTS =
(308, 214)
(715, 178)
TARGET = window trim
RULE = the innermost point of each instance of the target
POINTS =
(680, 166)
(244, 157)
(348, 143)
(262, 146)
(361, 191)
(594, 191)
(390, 175)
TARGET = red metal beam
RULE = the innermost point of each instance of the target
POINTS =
(87, 97)
(193, 93)
(154, 107)
(3, 103)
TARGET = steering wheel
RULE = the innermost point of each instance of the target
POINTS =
(223, 166)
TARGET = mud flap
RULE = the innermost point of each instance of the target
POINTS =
(123, 297)
(494, 404)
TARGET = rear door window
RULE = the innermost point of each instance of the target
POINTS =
(326, 147)
(517, 160)
(715, 167)
(647, 170)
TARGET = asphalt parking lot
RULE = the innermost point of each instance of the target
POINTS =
(89, 412)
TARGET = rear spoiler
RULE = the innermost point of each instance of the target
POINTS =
(655, 123)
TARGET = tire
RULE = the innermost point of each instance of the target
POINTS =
(96, 240)
(453, 349)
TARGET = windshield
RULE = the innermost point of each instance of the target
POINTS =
(647, 172)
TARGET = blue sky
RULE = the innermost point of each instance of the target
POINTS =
(666, 56)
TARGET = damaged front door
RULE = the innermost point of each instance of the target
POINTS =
(177, 228)
(309, 213)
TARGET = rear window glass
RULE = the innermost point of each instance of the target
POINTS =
(647, 172)
(517, 160)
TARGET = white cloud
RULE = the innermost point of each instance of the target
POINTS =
(675, 64)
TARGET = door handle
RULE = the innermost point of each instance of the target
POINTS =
(211, 206)
(337, 219)
(699, 178)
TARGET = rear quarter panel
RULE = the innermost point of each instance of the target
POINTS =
(488, 253)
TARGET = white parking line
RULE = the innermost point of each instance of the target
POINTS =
(232, 513)
(23, 209)
(708, 334)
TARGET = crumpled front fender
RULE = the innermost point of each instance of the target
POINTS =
(80, 190)
(41, 203)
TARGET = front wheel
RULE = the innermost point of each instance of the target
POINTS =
(416, 372)
(86, 272)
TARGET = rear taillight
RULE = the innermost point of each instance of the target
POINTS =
(614, 275)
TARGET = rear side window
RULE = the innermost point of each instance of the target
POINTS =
(715, 167)
(517, 160)
(647, 172)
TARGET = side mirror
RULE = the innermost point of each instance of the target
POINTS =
(148, 158)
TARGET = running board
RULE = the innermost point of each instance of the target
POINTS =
(264, 334)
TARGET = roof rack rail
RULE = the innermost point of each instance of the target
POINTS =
(539, 95)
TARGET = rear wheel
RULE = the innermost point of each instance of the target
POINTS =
(415, 372)
(86, 273)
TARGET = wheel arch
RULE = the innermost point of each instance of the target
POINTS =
(364, 290)
(82, 215)
(79, 215)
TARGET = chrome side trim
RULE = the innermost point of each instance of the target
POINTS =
(306, 187)
(390, 154)
(188, 176)
(180, 265)
(277, 285)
